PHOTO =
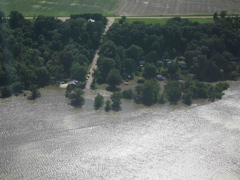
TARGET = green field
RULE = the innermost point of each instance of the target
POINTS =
(59, 7)
(120, 7)
(164, 20)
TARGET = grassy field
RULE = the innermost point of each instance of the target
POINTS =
(164, 20)
(59, 7)
(120, 7)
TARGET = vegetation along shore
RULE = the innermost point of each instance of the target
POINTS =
(177, 60)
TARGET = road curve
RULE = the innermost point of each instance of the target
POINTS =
(94, 62)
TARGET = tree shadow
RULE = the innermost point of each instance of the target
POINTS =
(113, 89)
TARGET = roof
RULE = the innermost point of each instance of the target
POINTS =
(91, 20)
(73, 82)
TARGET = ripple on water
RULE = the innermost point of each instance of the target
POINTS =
(47, 139)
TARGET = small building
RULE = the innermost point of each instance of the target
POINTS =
(159, 63)
(182, 64)
(192, 76)
(169, 62)
(142, 63)
(160, 77)
(91, 20)
(73, 83)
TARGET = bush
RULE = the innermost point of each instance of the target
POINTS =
(108, 105)
(34, 91)
(17, 87)
(76, 97)
(187, 98)
(6, 92)
(128, 94)
(173, 91)
(116, 101)
(140, 81)
(98, 101)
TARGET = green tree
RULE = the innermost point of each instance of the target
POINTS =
(134, 52)
(16, 19)
(42, 76)
(6, 92)
(34, 90)
(173, 91)
(150, 92)
(17, 87)
(129, 65)
(187, 98)
(114, 78)
(108, 49)
(76, 97)
(223, 14)
(138, 93)
(108, 105)
(116, 101)
(150, 71)
(98, 101)
(128, 94)
(78, 72)
(104, 66)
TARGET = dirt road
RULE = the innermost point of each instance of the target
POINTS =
(94, 62)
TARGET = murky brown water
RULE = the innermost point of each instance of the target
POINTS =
(48, 139)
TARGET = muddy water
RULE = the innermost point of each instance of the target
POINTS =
(48, 139)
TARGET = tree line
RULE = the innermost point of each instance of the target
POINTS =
(211, 51)
(35, 52)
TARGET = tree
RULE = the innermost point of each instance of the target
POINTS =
(108, 105)
(116, 101)
(76, 97)
(150, 92)
(114, 78)
(108, 49)
(16, 19)
(173, 91)
(98, 101)
(34, 91)
(78, 72)
(223, 14)
(134, 52)
(2, 16)
(150, 71)
(215, 16)
(129, 65)
(128, 94)
(42, 76)
(17, 87)
(187, 98)
(6, 92)
(138, 93)
(104, 66)
(152, 57)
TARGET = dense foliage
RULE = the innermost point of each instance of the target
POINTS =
(46, 49)
(211, 51)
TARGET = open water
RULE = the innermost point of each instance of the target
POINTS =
(48, 139)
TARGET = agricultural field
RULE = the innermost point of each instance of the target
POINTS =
(120, 7)
(59, 7)
(177, 7)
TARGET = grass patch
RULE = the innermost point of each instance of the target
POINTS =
(163, 21)
(59, 7)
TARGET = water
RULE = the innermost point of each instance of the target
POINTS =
(48, 139)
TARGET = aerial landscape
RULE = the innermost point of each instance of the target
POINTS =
(124, 89)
